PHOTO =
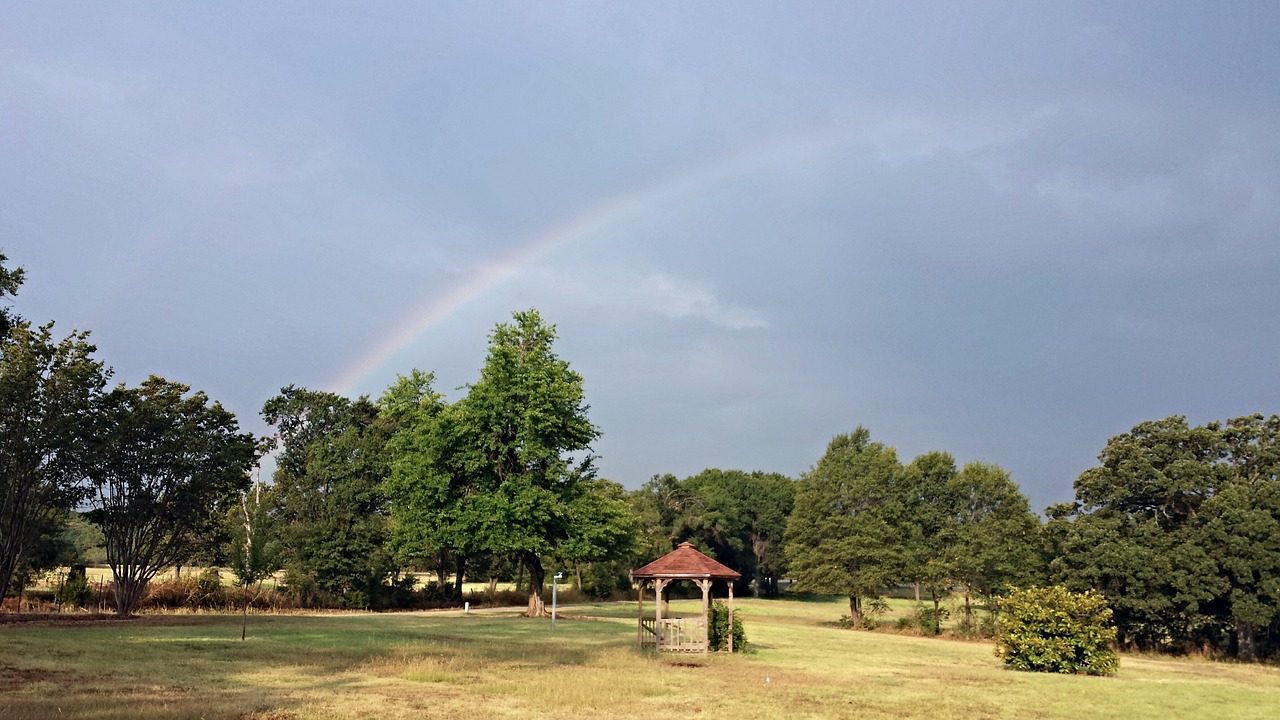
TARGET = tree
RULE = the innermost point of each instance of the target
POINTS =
(48, 396)
(524, 444)
(993, 545)
(1178, 527)
(328, 501)
(739, 518)
(928, 525)
(167, 467)
(664, 507)
(602, 528)
(842, 537)
(10, 281)
(430, 483)
(254, 551)
(1242, 528)
(1131, 537)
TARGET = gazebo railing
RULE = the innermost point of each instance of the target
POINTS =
(677, 634)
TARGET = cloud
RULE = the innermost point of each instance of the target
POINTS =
(81, 88)
(677, 298)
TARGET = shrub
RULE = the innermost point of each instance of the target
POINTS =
(922, 620)
(259, 598)
(497, 598)
(931, 618)
(1055, 630)
(718, 632)
(75, 587)
(605, 580)
(208, 591)
(303, 590)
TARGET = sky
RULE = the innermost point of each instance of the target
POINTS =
(1009, 231)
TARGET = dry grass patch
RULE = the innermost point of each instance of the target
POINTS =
(480, 666)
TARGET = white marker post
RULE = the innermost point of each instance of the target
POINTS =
(553, 600)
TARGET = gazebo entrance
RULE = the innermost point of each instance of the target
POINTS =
(691, 634)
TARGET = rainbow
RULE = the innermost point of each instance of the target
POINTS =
(587, 223)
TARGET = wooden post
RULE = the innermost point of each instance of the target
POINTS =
(657, 614)
(706, 613)
(731, 616)
(640, 615)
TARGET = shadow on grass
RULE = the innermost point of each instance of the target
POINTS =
(197, 666)
(810, 598)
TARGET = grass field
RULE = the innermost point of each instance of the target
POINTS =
(497, 664)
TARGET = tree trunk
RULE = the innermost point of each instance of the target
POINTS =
(536, 577)
(937, 619)
(855, 611)
(244, 615)
(129, 591)
(577, 571)
(7, 566)
(442, 575)
(917, 586)
(1245, 649)
(519, 575)
(493, 586)
(461, 564)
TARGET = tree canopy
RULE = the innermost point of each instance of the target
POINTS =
(1179, 526)
(843, 537)
(505, 468)
(328, 501)
(738, 517)
(49, 391)
(168, 465)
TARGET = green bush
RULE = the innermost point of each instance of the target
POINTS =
(1055, 630)
(928, 619)
(718, 632)
(75, 587)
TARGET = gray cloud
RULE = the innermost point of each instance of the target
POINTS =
(1005, 230)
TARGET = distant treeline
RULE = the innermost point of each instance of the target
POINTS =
(1178, 526)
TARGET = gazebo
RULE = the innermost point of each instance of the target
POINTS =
(680, 634)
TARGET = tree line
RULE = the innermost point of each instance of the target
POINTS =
(1178, 527)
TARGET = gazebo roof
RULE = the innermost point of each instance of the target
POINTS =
(685, 562)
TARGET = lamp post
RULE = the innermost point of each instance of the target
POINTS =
(553, 599)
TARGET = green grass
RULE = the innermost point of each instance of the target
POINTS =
(496, 664)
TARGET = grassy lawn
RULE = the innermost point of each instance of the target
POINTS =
(484, 665)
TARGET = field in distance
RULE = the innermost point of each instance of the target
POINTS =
(432, 664)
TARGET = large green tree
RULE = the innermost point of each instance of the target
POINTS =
(1242, 529)
(330, 508)
(167, 466)
(430, 485)
(927, 526)
(992, 546)
(524, 447)
(1178, 527)
(843, 536)
(48, 416)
